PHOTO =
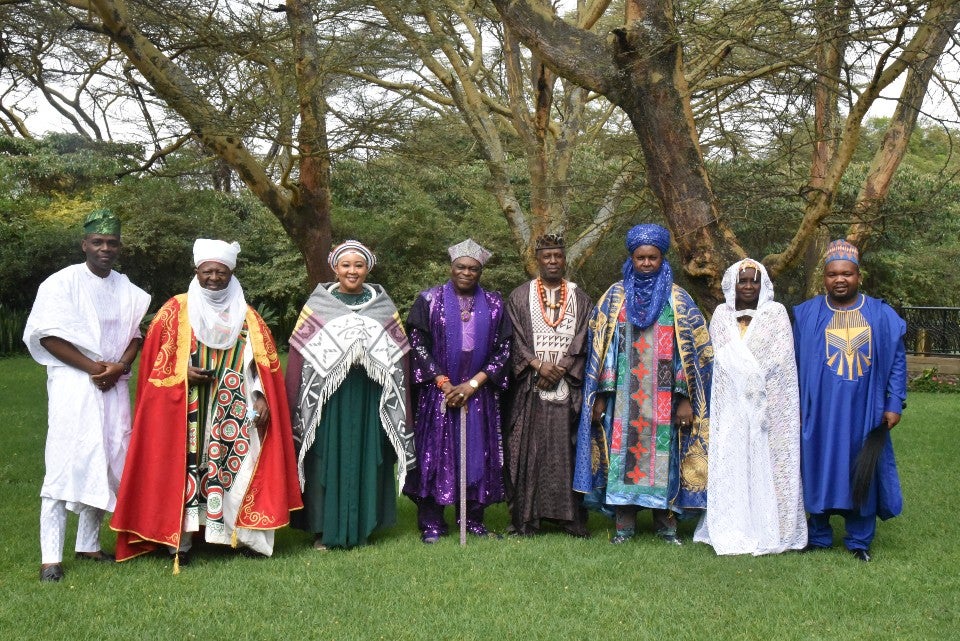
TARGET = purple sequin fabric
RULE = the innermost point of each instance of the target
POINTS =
(435, 331)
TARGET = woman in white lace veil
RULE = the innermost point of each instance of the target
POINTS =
(754, 495)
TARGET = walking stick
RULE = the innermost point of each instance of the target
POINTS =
(463, 475)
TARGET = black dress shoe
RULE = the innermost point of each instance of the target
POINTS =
(184, 558)
(51, 573)
(99, 556)
(809, 547)
(861, 555)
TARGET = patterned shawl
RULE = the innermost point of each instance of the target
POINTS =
(328, 340)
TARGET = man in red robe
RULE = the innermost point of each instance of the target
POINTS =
(211, 444)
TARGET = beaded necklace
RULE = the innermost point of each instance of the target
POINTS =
(545, 304)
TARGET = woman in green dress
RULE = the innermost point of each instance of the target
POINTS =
(346, 381)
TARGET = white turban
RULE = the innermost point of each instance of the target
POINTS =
(219, 251)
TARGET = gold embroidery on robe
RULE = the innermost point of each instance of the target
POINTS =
(849, 343)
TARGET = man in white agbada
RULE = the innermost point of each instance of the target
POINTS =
(84, 327)
(754, 498)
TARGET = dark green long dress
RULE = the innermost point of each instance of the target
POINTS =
(350, 487)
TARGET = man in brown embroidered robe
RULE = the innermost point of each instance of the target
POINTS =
(549, 315)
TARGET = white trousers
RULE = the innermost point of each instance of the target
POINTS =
(53, 529)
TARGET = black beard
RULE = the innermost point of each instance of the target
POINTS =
(847, 299)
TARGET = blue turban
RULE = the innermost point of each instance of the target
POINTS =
(648, 234)
(646, 294)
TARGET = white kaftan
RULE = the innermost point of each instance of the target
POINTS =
(88, 430)
(754, 495)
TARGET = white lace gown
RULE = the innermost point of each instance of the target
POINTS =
(754, 494)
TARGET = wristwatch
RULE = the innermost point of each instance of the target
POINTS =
(473, 383)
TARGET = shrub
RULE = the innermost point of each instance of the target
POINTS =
(12, 322)
(932, 381)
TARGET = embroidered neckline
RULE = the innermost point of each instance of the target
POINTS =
(826, 299)
(466, 312)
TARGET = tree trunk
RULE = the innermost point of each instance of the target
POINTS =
(303, 208)
(656, 100)
(887, 159)
(892, 62)
(311, 206)
(834, 19)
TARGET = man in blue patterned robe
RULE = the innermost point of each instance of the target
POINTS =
(644, 426)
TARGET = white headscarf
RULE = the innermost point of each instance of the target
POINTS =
(729, 283)
(216, 317)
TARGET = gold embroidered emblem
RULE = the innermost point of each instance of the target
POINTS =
(849, 343)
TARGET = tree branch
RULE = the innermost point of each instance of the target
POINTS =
(572, 52)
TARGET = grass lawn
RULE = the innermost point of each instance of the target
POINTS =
(546, 588)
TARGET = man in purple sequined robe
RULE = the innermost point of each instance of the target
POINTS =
(460, 339)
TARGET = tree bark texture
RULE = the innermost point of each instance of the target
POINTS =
(892, 63)
(302, 209)
(893, 148)
(640, 69)
(833, 17)
(527, 104)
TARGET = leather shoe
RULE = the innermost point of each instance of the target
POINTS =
(99, 556)
(184, 558)
(810, 547)
(861, 555)
(51, 573)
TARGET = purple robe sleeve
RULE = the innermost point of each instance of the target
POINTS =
(422, 366)
(496, 367)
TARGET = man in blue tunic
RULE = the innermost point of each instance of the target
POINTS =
(853, 377)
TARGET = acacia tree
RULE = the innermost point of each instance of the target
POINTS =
(837, 142)
(453, 58)
(694, 78)
(198, 62)
(640, 68)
